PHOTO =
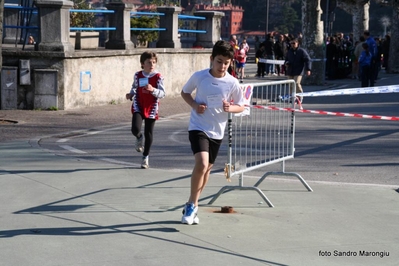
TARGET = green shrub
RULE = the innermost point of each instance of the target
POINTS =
(80, 19)
(145, 22)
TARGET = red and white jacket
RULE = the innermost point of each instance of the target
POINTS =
(145, 102)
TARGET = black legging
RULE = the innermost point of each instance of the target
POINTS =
(137, 122)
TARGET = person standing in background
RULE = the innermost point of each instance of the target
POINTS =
(356, 54)
(260, 54)
(246, 45)
(385, 52)
(373, 50)
(234, 41)
(365, 61)
(269, 51)
(297, 62)
(241, 59)
(257, 43)
(279, 52)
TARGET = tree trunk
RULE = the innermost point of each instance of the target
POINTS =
(360, 19)
(393, 61)
(312, 41)
(360, 16)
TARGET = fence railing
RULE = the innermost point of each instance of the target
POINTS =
(99, 11)
(262, 135)
(22, 24)
(53, 34)
(133, 14)
(25, 13)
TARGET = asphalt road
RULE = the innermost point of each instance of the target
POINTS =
(328, 148)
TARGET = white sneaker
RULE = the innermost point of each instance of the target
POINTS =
(145, 163)
(196, 219)
(139, 144)
(190, 214)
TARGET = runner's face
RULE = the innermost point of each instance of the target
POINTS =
(220, 64)
(149, 65)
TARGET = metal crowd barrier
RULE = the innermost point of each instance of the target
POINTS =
(262, 135)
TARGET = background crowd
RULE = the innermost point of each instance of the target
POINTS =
(342, 55)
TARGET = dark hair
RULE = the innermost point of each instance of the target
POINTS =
(147, 55)
(366, 33)
(223, 48)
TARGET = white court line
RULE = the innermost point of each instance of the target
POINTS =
(87, 133)
(72, 149)
(174, 137)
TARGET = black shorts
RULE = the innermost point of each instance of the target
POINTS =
(201, 142)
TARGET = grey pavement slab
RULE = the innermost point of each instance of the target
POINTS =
(59, 210)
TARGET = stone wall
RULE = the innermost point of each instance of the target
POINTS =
(99, 77)
(65, 78)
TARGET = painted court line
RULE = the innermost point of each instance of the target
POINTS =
(72, 149)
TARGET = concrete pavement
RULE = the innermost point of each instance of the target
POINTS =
(63, 211)
(60, 210)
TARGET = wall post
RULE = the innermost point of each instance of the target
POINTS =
(170, 37)
(119, 38)
(54, 23)
(212, 25)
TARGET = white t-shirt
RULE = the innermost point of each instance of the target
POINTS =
(212, 91)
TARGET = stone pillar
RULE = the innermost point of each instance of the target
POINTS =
(170, 37)
(212, 25)
(119, 38)
(54, 25)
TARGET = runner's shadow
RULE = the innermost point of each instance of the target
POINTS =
(90, 230)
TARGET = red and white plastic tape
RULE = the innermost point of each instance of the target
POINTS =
(275, 108)
(353, 91)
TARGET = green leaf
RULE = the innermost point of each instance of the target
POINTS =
(145, 22)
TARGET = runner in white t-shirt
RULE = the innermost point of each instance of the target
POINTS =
(216, 93)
